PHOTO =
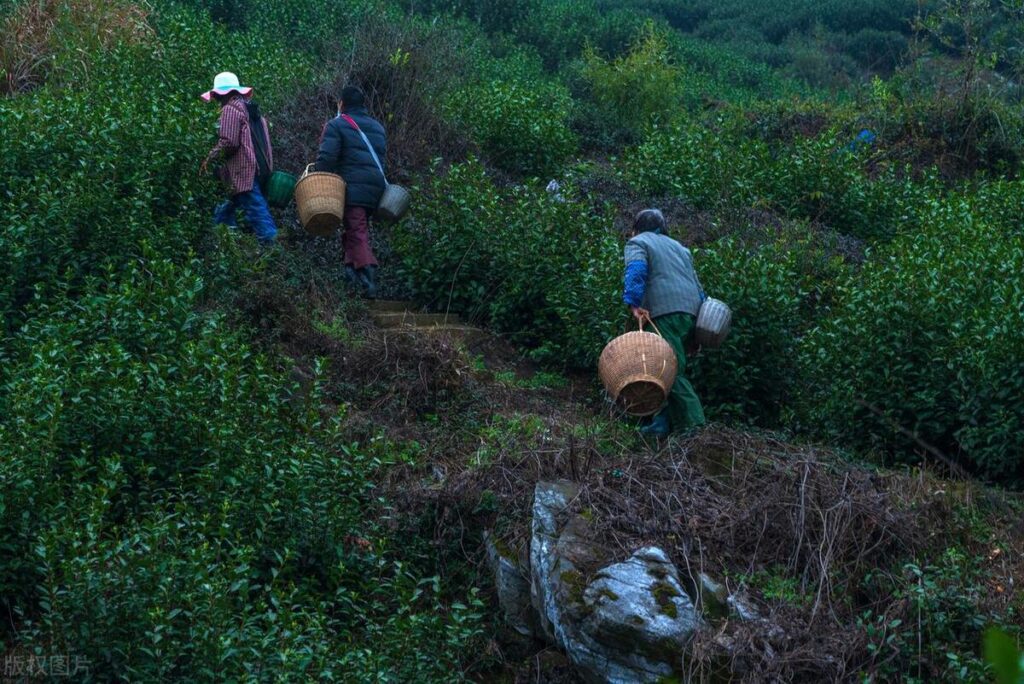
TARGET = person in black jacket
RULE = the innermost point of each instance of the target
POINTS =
(344, 151)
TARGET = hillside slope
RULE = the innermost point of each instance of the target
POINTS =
(215, 465)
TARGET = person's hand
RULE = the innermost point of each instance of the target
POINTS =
(203, 167)
(640, 314)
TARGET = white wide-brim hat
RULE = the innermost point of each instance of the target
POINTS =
(224, 83)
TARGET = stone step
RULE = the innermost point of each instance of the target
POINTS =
(418, 320)
(390, 306)
(467, 334)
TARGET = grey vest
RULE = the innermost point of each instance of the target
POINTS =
(672, 285)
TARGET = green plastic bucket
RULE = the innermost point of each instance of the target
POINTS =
(280, 188)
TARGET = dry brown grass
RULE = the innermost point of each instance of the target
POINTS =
(36, 30)
(732, 503)
(403, 69)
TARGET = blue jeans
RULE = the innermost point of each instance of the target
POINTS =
(257, 214)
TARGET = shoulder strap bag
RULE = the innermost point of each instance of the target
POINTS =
(395, 201)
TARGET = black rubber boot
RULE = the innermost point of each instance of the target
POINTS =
(352, 278)
(368, 277)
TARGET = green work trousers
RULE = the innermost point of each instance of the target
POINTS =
(683, 407)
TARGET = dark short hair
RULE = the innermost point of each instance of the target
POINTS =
(650, 221)
(352, 96)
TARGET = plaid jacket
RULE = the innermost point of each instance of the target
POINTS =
(660, 276)
(234, 143)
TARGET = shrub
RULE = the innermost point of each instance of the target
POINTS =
(45, 38)
(925, 340)
(941, 619)
(769, 287)
(561, 29)
(76, 196)
(407, 70)
(703, 165)
(173, 508)
(807, 178)
(640, 88)
(542, 271)
(548, 275)
(522, 126)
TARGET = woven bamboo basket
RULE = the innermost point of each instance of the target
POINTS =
(320, 199)
(713, 323)
(394, 203)
(638, 370)
(280, 189)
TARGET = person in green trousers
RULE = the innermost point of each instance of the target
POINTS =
(664, 294)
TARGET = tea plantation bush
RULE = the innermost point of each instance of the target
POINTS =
(90, 173)
(641, 87)
(170, 506)
(521, 124)
(542, 271)
(751, 378)
(809, 178)
(168, 512)
(548, 275)
(928, 337)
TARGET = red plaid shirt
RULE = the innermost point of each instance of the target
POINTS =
(235, 144)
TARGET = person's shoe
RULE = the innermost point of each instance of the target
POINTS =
(368, 277)
(658, 427)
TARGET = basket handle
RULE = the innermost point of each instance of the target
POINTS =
(308, 167)
(650, 320)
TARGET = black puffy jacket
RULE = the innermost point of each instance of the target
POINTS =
(342, 151)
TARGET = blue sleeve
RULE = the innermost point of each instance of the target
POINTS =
(635, 283)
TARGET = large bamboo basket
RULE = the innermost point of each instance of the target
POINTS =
(638, 370)
(713, 323)
(320, 199)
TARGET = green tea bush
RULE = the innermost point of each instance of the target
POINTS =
(776, 279)
(700, 164)
(960, 135)
(737, 77)
(173, 508)
(937, 637)
(927, 339)
(88, 173)
(505, 17)
(807, 178)
(548, 275)
(521, 125)
(560, 30)
(543, 272)
(45, 41)
(641, 87)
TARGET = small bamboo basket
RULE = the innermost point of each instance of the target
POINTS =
(713, 323)
(638, 370)
(394, 204)
(320, 199)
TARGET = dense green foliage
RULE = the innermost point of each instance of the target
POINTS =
(927, 337)
(806, 336)
(173, 505)
(170, 513)
(522, 124)
(170, 505)
(514, 258)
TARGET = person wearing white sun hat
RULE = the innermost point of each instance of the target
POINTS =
(243, 143)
